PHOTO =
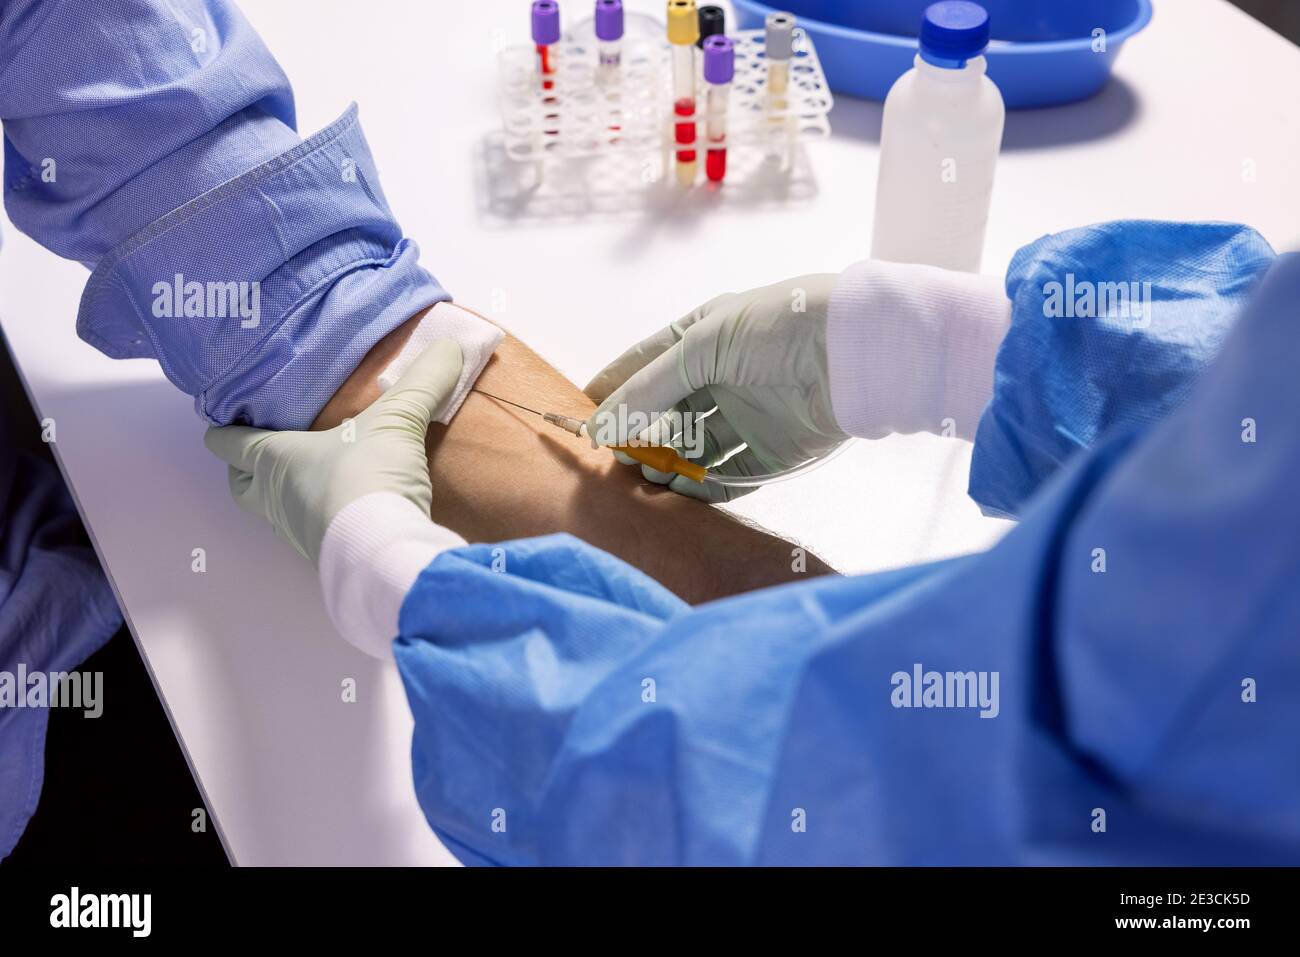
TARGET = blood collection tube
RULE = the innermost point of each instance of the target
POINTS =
(546, 33)
(778, 48)
(713, 21)
(609, 36)
(719, 68)
(683, 30)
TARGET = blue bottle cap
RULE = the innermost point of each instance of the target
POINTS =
(952, 32)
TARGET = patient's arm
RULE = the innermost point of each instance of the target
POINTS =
(500, 473)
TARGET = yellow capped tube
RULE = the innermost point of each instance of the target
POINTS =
(683, 31)
(683, 23)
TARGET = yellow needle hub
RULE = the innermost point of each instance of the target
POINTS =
(663, 459)
(658, 457)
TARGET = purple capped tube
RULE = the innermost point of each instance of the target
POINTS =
(609, 39)
(719, 69)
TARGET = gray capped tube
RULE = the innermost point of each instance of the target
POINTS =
(778, 36)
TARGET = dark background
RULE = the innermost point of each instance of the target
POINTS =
(1282, 15)
(117, 788)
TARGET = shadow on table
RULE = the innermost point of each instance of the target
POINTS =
(1108, 113)
(255, 671)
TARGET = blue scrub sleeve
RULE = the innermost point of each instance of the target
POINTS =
(568, 709)
(154, 142)
(1110, 326)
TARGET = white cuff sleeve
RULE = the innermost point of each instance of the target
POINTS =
(911, 348)
(477, 337)
(373, 551)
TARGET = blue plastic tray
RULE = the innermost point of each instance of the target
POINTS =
(1041, 55)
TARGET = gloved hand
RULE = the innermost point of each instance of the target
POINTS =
(299, 481)
(758, 358)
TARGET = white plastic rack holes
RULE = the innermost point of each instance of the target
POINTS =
(579, 116)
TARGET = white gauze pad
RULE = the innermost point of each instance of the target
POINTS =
(477, 337)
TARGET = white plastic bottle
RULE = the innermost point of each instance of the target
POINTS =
(939, 146)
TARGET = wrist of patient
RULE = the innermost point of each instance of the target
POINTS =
(477, 337)
(361, 388)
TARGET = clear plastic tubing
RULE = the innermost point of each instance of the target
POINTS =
(751, 481)
(939, 145)
(683, 31)
(719, 69)
(609, 41)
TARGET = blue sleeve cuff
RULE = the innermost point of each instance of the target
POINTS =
(260, 297)
(1110, 327)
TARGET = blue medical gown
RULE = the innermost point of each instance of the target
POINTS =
(568, 710)
(1069, 372)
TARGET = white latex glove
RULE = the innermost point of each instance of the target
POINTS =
(299, 481)
(755, 360)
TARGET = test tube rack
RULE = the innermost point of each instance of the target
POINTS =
(579, 116)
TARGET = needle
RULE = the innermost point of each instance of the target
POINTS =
(657, 457)
(506, 401)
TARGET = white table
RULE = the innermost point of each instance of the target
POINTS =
(243, 655)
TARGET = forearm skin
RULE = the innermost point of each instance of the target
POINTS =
(500, 473)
